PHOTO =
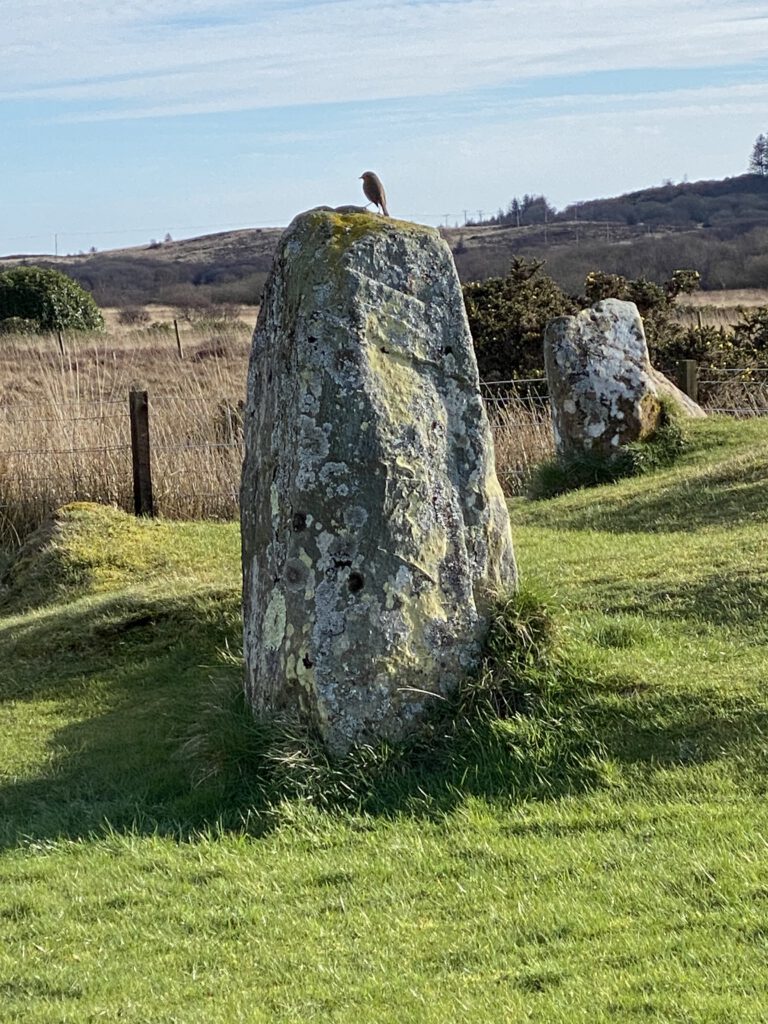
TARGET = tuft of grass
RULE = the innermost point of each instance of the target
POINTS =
(577, 469)
(515, 726)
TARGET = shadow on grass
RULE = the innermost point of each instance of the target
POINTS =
(736, 599)
(159, 740)
(126, 672)
(729, 497)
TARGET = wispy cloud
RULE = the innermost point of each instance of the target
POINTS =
(164, 58)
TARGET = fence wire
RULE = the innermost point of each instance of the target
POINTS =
(197, 445)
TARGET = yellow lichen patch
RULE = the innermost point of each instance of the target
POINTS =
(420, 612)
(349, 228)
(388, 327)
(396, 383)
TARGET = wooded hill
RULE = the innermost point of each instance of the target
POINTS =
(719, 228)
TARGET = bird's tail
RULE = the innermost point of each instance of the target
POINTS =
(384, 209)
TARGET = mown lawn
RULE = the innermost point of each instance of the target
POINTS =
(600, 857)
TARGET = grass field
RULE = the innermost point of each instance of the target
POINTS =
(600, 858)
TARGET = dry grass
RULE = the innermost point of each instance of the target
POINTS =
(747, 297)
(522, 434)
(164, 317)
(740, 393)
(719, 309)
(65, 433)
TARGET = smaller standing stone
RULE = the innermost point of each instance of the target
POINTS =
(603, 391)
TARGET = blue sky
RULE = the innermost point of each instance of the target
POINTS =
(121, 122)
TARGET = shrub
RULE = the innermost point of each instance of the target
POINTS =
(750, 333)
(508, 316)
(17, 325)
(49, 299)
(134, 316)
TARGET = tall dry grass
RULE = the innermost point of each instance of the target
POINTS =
(739, 392)
(65, 430)
(523, 438)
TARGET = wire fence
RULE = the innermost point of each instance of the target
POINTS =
(735, 391)
(82, 449)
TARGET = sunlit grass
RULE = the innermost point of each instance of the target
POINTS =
(589, 846)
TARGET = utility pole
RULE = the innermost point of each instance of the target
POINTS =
(55, 245)
(480, 216)
(446, 216)
(465, 217)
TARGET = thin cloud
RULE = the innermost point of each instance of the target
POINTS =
(171, 58)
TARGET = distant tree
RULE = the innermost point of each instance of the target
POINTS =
(758, 161)
(168, 237)
(49, 298)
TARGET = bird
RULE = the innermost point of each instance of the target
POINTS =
(374, 191)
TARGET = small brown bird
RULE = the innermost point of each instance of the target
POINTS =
(374, 191)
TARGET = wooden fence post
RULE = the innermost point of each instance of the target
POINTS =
(138, 405)
(60, 337)
(178, 338)
(688, 378)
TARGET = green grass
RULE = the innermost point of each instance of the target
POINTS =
(595, 851)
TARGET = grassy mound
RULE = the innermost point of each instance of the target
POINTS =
(580, 839)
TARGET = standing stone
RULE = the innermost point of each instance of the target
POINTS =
(375, 534)
(603, 391)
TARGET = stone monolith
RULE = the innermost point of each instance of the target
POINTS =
(375, 534)
(603, 391)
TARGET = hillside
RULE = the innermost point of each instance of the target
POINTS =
(596, 855)
(719, 228)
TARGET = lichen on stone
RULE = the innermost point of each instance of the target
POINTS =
(391, 536)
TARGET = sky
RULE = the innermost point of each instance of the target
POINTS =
(120, 123)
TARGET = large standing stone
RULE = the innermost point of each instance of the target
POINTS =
(375, 534)
(603, 391)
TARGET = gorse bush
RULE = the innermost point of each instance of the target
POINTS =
(508, 316)
(47, 298)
